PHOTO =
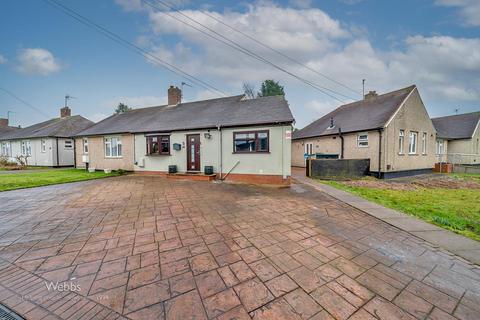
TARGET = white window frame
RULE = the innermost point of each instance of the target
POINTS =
(413, 142)
(70, 145)
(109, 144)
(26, 148)
(85, 145)
(361, 141)
(43, 145)
(424, 143)
(4, 150)
(401, 141)
(440, 146)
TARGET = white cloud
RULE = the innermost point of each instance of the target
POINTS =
(2, 59)
(135, 102)
(37, 61)
(468, 9)
(445, 68)
(96, 117)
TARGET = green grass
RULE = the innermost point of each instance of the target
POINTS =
(455, 209)
(12, 181)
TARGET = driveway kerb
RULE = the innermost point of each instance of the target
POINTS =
(462, 246)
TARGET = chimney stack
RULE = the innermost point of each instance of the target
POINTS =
(65, 112)
(3, 122)
(371, 94)
(174, 96)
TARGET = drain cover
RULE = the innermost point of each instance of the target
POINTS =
(7, 314)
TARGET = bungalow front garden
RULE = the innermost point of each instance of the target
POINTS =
(449, 201)
(30, 179)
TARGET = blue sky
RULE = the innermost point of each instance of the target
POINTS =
(45, 54)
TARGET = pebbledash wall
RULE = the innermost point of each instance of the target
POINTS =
(269, 167)
(47, 157)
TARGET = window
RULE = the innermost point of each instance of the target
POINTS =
(251, 141)
(440, 146)
(158, 145)
(424, 143)
(362, 140)
(68, 144)
(43, 145)
(26, 148)
(412, 146)
(401, 138)
(5, 150)
(85, 146)
(113, 147)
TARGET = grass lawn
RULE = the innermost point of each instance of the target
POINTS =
(455, 209)
(12, 181)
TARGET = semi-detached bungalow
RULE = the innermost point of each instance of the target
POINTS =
(458, 138)
(49, 143)
(244, 140)
(393, 130)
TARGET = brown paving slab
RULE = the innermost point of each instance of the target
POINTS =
(221, 303)
(185, 306)
(253, 294)
(281, 285)
(336, 305)
(209, 283)
(147, 295)
(302, 303)
(278, 309)
(223, 249)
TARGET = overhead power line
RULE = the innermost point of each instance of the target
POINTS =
(225, 40)
(125, 43)
(279, 52)
(24, 102)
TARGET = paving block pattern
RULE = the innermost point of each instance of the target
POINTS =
(147, 247)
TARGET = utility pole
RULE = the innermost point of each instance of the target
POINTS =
(363, 88)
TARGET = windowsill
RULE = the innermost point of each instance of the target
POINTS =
(413, 154)
(401, 154)
(362, 146)
(158, 155)
(113, 157)
(251, 152)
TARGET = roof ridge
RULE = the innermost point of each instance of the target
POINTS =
(456, 115)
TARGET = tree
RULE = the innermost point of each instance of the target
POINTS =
(271, 88)
(122, 108)
(249, 90)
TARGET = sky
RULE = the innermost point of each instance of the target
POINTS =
(330, 44)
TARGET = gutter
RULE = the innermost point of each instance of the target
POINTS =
(219, 128)
(379, 151)
(342, 143)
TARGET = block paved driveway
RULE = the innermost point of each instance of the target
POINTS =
(144, 247)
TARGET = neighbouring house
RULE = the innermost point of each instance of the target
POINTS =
(49, 143)
(458, 138)
(392, 130)
(242, 139)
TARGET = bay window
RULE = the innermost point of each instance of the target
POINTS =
(113, 147)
